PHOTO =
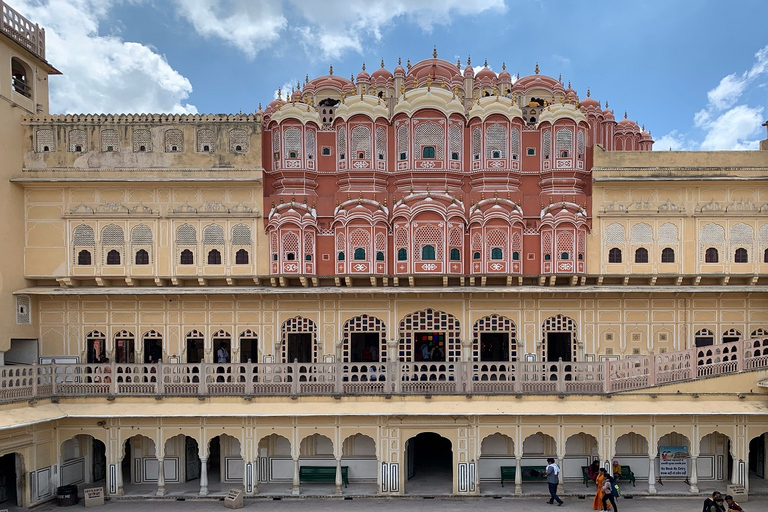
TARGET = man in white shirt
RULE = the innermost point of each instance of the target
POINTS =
(553, 470)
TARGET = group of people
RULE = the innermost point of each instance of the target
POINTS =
(717, 503)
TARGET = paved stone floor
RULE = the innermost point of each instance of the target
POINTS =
(404, 504)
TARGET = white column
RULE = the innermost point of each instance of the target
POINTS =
(295, 490)
(160, 477)
(339, 481)
(560, 489)
(120, 491)
(203, 476)
(651, 475)
(518, 477)
(694, 477)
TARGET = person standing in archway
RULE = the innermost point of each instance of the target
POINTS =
(553, 470)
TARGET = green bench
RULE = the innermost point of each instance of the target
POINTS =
(627, 474)
(323, 474)
(585, 474)
(529, 473)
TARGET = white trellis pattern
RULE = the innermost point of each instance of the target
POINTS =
(494, 323)
(514, 138)
(361, 142)
(641, 233)
(429, 134)
(142, 138)
(109, 140)
(363, 323)
(559, 323)
(381, 143)
(428, 235)
(205, 140)
(44, 139)
(298, 325)
(341, 143)
(546, 143)
(238, 141)
(292, 139)
(668, 234)
(174, 141)
(712, 235)
(496, 141)
(454, 139)
(476, 143)
(77, 138)
(564, 141)
(615, 234)
(310, 145)
(430, 320)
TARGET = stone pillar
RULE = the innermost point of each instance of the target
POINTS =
(694, 477)
(295, 490)
(253, 476)
(160, 477)
(651, 475)
(560, 489)
(119, 468)
(339, 481)
(518, 476)
(203, 476)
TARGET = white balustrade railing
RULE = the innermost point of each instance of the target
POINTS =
(29, 382)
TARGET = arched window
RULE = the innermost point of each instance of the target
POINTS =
(341, 256)
(668, 255)
(455, 254)
(187, 258)
(711, 256)
(497, 253)
(428, 152)
(84, 257)
(359, 253)
(241, 257)
(428, 252)
(476, 255)
(214, 257)
(20, 78)
(565, 256)
(113, 257)
(614, 255)
(515, 256)
(142, 257)
(641, 255)
(741, 256)
(402, 254)
(547, 257)
(380, 256)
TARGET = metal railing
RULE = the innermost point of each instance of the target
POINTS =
(384, 378)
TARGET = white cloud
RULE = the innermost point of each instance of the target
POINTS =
(327, 28)
(285, 90)
(673, 141)
(249, 25)
(102, 73)
(727, 123)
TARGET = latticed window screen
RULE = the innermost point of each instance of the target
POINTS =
(360, 238)
(402, 140)
(174, 140)
(142, 138)
(667, 234)
(112, 237)
(341, 244)
(238, 140)
(641, 233)
(381, 242)
(429, 134)
(141, 235)
(564, 140)
(476, 143)
(205, 139)
(44, 140)
(454, 139)
(712, 235)
(84, 236)
(298, 325)
(77, 138)
(456, 238)
(565, 244)
(309, 245)
(430, 321)
(496, 141)
(514, 140)
(109, 141)
(290, 245)
(363, 323)
(517, 244)
(23, 310)
(559, 323)
(273, 243)
(276, 141)
(213, 234)
(546, 241)
(496, 239)
(477, 242)
(763, 236)
(292, 139)
(742, 234)
(341, 142)
(381, 143)
(361, 142)
(401, 238)
(186, 235)
(495, 323)
(615, 234)
(428, 235)
(309, 143)
(546, 143)
(241, 235)
(580, 143)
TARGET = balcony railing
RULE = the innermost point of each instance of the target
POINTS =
(383, 379)
(23, 31)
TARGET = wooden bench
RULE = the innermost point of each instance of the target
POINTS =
(323, 474)
(529, 473)
(627, 474)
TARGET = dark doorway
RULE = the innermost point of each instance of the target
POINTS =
(300, 347)
(757, 456)
(153, 350)
(99, 451)
(95, 351)
(9, 479)
(559, 346)
(364, 346)
(192, 457)
(494, 346)
(125, 464)
(429, 346)
(214, 460)
(249, 350)
(124, 350)
(430, 464)
(195, 350)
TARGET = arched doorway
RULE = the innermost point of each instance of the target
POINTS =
(757, 466)
(430, 335)
(558, 339)
(429, 461)
(11, 486)
(139, 465)
(225, 464)
(83, 461)
(496, 451)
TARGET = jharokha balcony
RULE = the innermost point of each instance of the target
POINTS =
(250, 380)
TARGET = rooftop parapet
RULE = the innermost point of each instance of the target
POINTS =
(141, 118)
(29, 35)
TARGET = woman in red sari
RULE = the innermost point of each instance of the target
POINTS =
(597, 504)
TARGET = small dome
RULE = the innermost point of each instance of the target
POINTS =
(296, 96)
(381, 74)
(363, 76)
(590, 103)
(505, 77)
(469, 71)
(485, 74)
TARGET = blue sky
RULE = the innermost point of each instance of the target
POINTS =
(694, 72)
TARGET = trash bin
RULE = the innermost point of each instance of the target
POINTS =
(66, 495)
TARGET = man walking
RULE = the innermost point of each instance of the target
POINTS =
(553, 470)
